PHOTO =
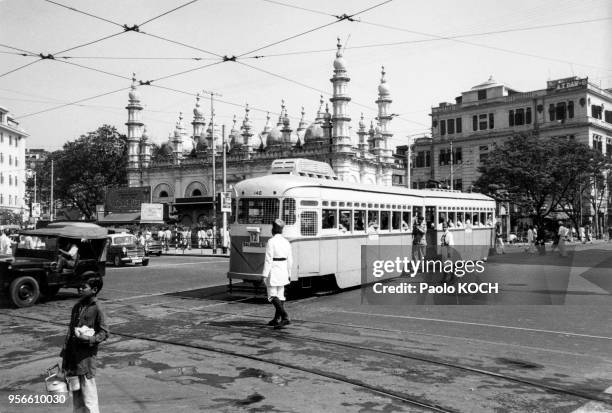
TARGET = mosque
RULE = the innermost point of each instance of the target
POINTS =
(181, 176)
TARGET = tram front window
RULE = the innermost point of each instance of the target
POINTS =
(288, 214)
(258, 210)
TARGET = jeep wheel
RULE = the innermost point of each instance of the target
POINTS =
(24, 291)
(145, 263)
(118, 262)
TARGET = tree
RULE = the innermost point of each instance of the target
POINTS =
(539, 175)
(86, 167)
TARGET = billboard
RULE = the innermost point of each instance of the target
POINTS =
(127, 199)
(151, 213)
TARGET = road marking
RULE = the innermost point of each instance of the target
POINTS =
(477, 324)
(592, 407)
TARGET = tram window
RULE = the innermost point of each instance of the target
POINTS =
(325, 203)
(475, 220)
(349, 204)
(288, 214)
(341, 204)
(359, 220)
(417, 212)
(345, 220)
(384, 219)
(483, 218)
(442, 218)
(460, 219)
(369, 205)
(308, 223)
(406, 221)
(309, 203)
(451, 219)
(373, 218)
(257, 210)
(363, 205)
(396, 220)
(329, 217)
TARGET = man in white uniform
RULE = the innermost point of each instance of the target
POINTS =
(277, 272)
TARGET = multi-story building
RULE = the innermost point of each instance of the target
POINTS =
(12, 163)
(182, 177)
(489, 113)
(35, 157)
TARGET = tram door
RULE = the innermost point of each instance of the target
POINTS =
(432, 233)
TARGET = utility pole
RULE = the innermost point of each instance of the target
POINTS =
(214, 177)
(451, 165)
(224, 230)
(52, 206)
(409, 164)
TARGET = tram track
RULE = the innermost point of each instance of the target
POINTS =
(411, 400)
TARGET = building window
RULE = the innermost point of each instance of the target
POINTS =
(451, 126)
(458, 125)
(415, 185)
(511, 118)
(483, 157)
(528, 116)
(10, 141)
(10, 199)
(458, 185)
(560, 111)
(163, 194)
(457, 156)
(609, 148)
(570, 109)
(444, 157)
(1, 178)
(551, 112)
(597, 143)
(427, 158)
(519, 117)
(608, 116)
(596, 111)
(420, 159)
(442, 127)
(474, 123)
(10, 159)
(482, 94)
(482, 122)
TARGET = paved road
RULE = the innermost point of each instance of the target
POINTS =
(182, 344)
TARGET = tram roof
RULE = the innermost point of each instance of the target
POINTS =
(279, 184)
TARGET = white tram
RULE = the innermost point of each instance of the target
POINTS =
(327, 221)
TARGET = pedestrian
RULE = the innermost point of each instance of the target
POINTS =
(541, 241)
(167, 238)
(5, 243)
(610, 234)
(201, 237)
(226, 240)
(499, 242)
(87, 329)
(447, 242)
(530, 240)
(563, 234)
(589, 234)
(277, 273)
(582, 234)
(419, 240)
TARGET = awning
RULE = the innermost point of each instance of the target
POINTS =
(123, 217)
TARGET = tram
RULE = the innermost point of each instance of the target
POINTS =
(327, 221)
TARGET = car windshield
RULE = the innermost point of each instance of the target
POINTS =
(35, 242)
(124, 240)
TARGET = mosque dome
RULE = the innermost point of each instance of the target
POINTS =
(383, 88)
(314, 133)
(339, 63)
(275, 137)
(166, 149)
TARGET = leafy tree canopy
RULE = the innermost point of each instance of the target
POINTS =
(536, 173)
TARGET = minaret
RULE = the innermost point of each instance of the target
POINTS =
(286, 131)
(384, 118)
(266, 130)
(340, 119)
(177, 141)
(198, 120)
(371, 137)
(134, 131)
(302, 125)
(246, 132)
(145, 149)
(363, 145)
(327, 124)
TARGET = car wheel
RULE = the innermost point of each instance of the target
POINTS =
(50, 292)
(118, 262)
(24, 291)
(145, 263)
(159, 254)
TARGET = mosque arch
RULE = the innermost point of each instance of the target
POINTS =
(162, 192)
(369, 180)
(195, 188)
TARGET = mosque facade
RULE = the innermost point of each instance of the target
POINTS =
(181, 176)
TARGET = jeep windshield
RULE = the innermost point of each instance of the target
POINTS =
(124, 240)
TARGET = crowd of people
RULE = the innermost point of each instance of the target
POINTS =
(186, 238)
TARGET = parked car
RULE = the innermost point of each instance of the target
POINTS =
(153, 246)
(32, 270)
(124, 248)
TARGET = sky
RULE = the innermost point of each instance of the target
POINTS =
(431, 51)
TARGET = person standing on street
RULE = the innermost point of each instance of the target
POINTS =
(277, 273)
(562, 233)
(419, 240)
(87, 329)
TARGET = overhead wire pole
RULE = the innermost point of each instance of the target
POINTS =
(214, 177)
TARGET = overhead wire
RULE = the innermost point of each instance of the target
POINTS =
(338, 19)
(167, 12)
